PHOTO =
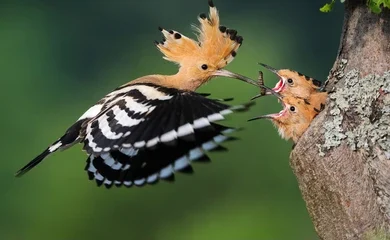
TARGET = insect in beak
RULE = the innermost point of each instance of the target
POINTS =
(279, 86)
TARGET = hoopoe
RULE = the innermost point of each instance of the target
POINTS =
(293, 83)
(149, 128)
(295, 117)
(301, 98)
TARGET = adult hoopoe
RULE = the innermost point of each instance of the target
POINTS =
(296, 115)
(155, 125)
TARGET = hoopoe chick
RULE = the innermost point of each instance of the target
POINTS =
(153, 126)
(293, 89)
(295, 117)
(293, 83)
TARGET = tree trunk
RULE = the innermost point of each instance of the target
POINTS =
(342, 162)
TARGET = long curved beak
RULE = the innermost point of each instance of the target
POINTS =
(268, 116)
(226, 73)
(274, 70)
(261, 95)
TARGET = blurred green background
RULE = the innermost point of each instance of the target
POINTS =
(57, 58)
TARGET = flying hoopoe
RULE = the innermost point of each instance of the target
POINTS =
(296, 115)
(155, 125)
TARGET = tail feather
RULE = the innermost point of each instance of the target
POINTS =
(33, 163)
(70, 138)
(54, 147)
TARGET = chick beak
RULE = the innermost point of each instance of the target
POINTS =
(270, 116)
(226, 73)
(261, 95)
(270, 68)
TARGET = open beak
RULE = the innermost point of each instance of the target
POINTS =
(226, 73)
(274, 115)
(279, 86)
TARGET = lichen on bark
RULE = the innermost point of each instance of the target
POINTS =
(346, 186)
(363, 98)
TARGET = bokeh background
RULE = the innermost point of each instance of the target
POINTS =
(59, 57)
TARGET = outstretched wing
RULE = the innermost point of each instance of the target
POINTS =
(151, 132)
(147, 115)
(130, 166)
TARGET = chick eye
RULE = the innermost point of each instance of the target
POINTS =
(204, 66)
(292, 109)
(290, 80)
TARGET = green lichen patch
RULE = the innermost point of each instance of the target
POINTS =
(381, 234)
(365, 100)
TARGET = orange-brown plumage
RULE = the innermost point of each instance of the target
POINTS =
(297, 84)
(199, 60)
(156, 125)
(292, 124)
(296, 115)
(293, 83)
(301, 100)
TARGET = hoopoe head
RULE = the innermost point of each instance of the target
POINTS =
(295, 117)
(293, 83)
(205, 58)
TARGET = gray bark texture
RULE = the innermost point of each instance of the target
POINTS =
(342, 162)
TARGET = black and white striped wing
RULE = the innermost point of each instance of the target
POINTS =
(148, 115)
(141, 135)
(131, 166)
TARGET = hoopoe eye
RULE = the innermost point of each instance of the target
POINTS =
(292, 109)
(290, 81)
(204, 66)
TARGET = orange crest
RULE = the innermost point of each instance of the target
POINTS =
(216, 43)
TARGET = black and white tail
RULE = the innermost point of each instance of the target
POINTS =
(69, 138)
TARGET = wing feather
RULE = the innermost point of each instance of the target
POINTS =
(130, 143)
(150, 165)
(134, 119)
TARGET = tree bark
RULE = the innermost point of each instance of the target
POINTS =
(342, 162)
